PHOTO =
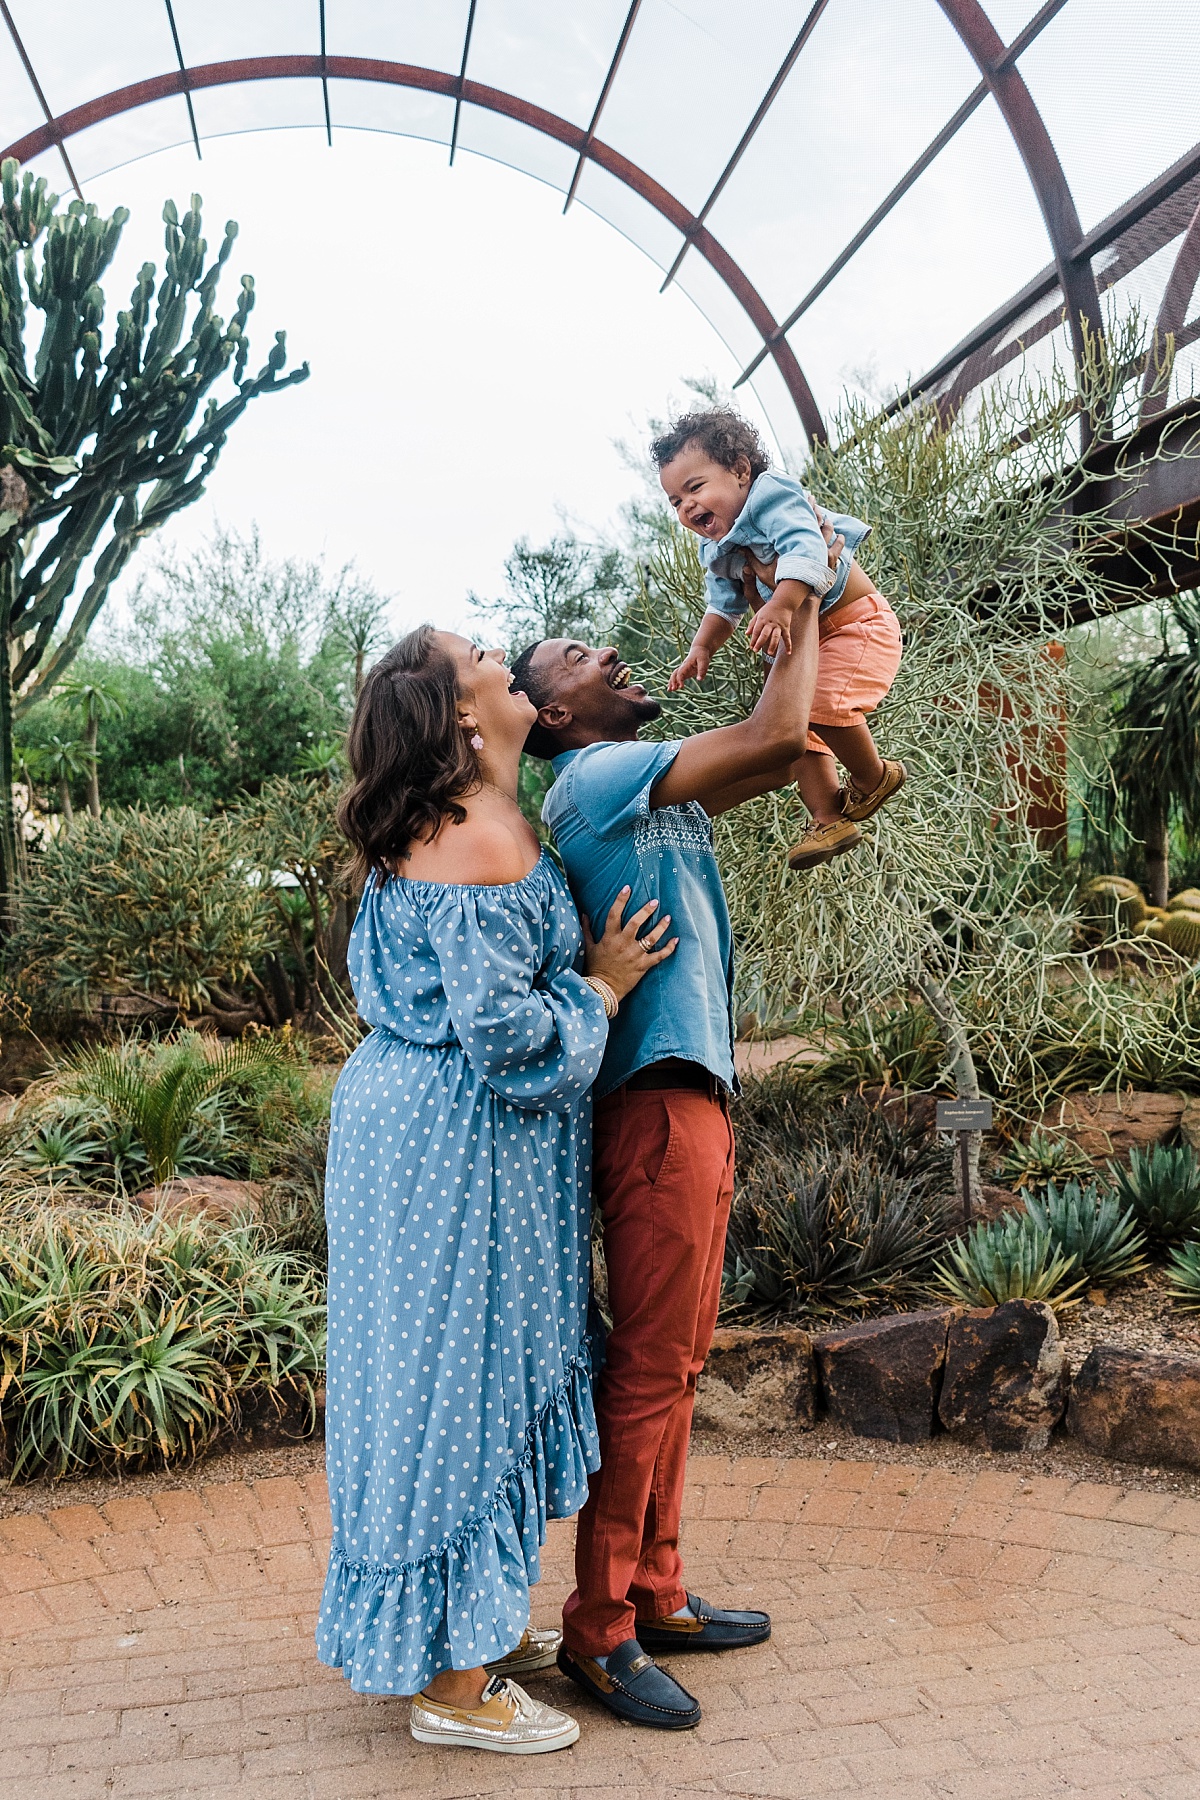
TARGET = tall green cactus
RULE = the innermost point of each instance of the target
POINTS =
(98, 449)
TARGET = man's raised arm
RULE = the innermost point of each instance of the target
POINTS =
(722, 768)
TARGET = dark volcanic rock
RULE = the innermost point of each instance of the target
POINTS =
(757, 1381)
(1006, 1377)
(1138, 1407)
(880, 1379)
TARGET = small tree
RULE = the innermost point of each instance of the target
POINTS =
(95, 700)
(1154, 763)
(84, 434)
(61, 761)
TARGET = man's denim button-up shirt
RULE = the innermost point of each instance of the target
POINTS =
(778, 520)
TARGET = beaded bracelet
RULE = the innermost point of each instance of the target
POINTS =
(607, 994)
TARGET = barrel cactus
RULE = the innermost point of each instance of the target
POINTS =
(1188, 900)
(1181, 932)
(1112, 903)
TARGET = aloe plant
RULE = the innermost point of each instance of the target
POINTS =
(127, 1339)
(1012, 1258)
(1162, 1189)
(1090, 1225)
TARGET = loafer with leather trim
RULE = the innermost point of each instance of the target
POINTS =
(633, 1687)
(712, 1628)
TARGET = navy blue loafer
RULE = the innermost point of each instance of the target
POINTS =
(634, 1687)
(712, 1628)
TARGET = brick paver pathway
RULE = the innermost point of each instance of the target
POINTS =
(967, 1637)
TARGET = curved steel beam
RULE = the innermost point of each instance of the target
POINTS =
(436, 81)
(1172, 313)
(1042, 166)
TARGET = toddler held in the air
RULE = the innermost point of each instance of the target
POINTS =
(761, 536)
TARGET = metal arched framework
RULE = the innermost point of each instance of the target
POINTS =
(1071, 273)
(460, 89)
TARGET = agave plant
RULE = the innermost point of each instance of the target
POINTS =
(1183, 1275)
(59, 1147)
(1013, 1258)
(1041, 1160)
(1089, 1225)
(1161, 1187)
(160, 1094)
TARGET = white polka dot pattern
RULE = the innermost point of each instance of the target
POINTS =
(459, 1414)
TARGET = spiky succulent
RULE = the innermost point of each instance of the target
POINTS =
(1012, 1258)
(1090, 1225)
(1161, 1187)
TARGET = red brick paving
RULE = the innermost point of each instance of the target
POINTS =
(937, 1637)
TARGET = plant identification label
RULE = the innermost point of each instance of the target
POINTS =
(964, 1115)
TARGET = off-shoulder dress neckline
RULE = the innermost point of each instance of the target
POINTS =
(471, 887)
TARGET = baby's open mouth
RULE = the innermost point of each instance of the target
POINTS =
(705, 521)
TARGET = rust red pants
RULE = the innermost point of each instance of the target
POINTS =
(663, 1182)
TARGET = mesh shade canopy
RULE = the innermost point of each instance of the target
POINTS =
(904, 197)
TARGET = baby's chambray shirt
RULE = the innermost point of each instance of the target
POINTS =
(778, 520)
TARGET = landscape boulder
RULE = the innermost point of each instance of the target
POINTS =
(216, 1195)
(1137, 1407)
(1189, 1121)
(1005, 1384)
(1109, 1126)
(880, 1379)
(757, 1381)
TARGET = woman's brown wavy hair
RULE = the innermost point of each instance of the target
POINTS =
(410, 762)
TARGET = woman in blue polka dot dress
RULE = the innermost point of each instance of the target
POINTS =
(459, 1415)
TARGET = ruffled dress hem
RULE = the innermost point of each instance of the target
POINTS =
(391, 1627)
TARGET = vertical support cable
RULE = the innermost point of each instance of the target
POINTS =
(36, 85)
(764, 107)
(325, 79)
(613, 66)
(462, 76)
(187, 93)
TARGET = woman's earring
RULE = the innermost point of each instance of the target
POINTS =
(477, 742)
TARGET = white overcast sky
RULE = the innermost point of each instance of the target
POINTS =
(474, 355)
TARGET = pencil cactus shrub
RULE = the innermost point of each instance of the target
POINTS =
(958, 895)
(100, 442)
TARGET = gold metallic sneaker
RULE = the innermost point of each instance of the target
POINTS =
(821, 843)
(857, 805)
(506, 1719)
(536, 1650)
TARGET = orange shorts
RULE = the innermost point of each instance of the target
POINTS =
(856, 665)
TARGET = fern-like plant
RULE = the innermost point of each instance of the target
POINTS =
(1162, 1188)
(1090, 1225)
(1012, 1258)
(159, 1097)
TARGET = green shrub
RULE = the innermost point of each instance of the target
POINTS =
(118, 1118)
(1041, 1160)
(153, 903)
(897, 1046)
(1162, 1189)
(837, 1209)
(293, 1201)
(128, 1339)
(1089, 1225)
(1009, 1259)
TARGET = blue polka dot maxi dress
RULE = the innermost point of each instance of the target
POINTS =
(459, 1412)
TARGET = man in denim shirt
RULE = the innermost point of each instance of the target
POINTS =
(640, 814)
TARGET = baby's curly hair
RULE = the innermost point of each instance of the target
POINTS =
(721, 433)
